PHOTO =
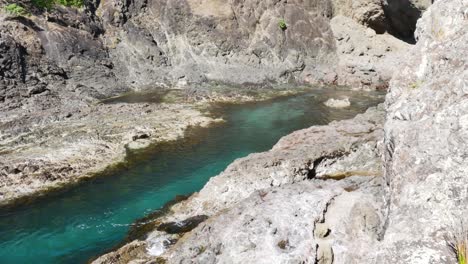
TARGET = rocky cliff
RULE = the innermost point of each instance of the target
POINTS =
(385, 187)
(425, 139)
(57, 64)
(111, 46)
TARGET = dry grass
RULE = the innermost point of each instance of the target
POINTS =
(458, 243)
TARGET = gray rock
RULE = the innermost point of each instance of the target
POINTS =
(52, 153)
(294, 158)
(425, 140)
(369, 13)
(55, 67)
(338, 103)
(403, 15)
(189, 41)
(365, 60)
(287, 224)
(397, 17)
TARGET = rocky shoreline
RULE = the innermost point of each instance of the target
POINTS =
(301, 162)
(63, 152)
(384, 187)
(40, 157)
(57, 65)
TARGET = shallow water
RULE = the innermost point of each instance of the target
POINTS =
(91, 218)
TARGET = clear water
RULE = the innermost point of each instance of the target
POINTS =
(91, 218)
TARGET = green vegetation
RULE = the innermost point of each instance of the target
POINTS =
(201, 250)
(416, 84)
(49, 4)
(15, 9)
(458, 243)
(282, 24)
(74, 3)
(461, 251)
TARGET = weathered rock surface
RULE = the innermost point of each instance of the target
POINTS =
(403, 15)
(187, 41)
(426, 139)
(51, 154)
(397, 17)
(276, 200)
(114, 46)
(296, 223)
(369, 13)
(366, 59)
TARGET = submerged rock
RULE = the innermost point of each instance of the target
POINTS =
(338, 103)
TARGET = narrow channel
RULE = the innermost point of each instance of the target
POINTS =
(91, 218)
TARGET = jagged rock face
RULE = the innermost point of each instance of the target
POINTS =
(426, 138)
(23, 72)
(403, 15)
(290, 160)
(366, 59)
(366, 12)
(56, 67)
(228, 41)
(397, 17)
(113, 46)
(11, 67)
(182, 42)
(51, 60)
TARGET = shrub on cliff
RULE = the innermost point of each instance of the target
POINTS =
(282, 24)
(458, 243)
(15, 9)
(74, 3)
(48, 4)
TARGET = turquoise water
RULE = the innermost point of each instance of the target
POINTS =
(91, 218)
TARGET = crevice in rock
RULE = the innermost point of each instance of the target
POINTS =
(325, 210)
(22, 61)
(381, 234)
(323, 250)
(387, 209)
(25, 21)
(389, 142)
(312, 173)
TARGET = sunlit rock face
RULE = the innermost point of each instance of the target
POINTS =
(186, 41)
(425, 139)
